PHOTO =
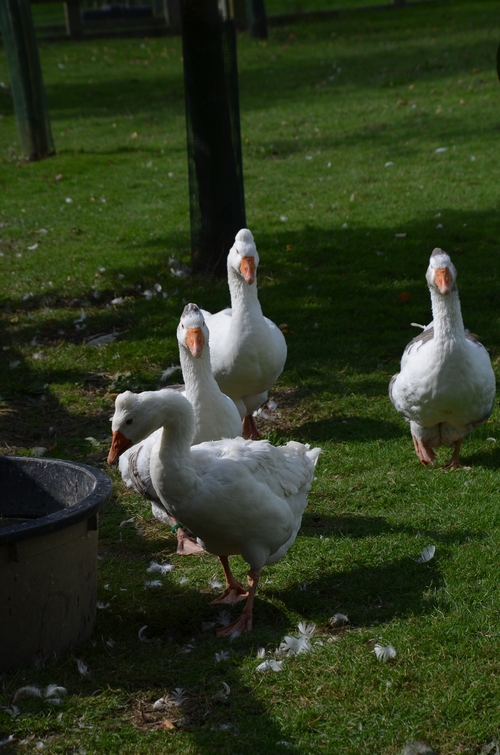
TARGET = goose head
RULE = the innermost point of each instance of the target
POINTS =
(441, 274)
(243, 257)
(192, 332)
(131, 422)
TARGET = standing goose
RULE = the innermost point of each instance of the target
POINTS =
(238, 497)
(446, 386)
(248, 350)
(216, 416)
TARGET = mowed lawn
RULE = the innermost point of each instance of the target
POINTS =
(369, 139)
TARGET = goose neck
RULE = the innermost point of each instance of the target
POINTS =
(243, 295)
(447, 315)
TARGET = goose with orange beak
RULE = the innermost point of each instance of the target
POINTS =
(215, 417)
(248, 350)
(446, 386)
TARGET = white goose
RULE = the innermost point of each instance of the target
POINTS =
(238, 496)
(248, 350)
(446, 386)
(216, 416)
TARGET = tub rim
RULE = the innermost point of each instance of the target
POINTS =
(66, 517)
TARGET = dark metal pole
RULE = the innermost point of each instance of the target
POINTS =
(18, 32)
(216, 194)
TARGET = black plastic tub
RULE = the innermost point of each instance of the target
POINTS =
(48, 555)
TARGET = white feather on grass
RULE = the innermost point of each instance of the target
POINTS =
(384, 652)
(294, 646)
(160, 568)
(338, 620)
(307, 630)
(28, 690)
(270, 665)
(152, 584)
(54, 690)
(178, 697)
(141, 634)
(82, 667)
(426, 555)
(223, 693)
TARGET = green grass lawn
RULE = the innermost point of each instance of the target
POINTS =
(347, 197)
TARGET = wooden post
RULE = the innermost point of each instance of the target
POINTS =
(26, 79)
(73, 20)
(257, 19)
(216, 194)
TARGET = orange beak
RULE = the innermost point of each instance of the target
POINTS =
(247, 269)
(195, 341)
(119, 444)
(443, 279)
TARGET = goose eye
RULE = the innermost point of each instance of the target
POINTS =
(129, 421)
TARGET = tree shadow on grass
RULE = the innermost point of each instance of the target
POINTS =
(338, 430)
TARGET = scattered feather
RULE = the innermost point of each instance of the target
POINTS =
(170, 371)
(426, 555)
(101, 340)
(82, 667)
(270, 665)
(338, 619)
(141, 634)
(33, 247)
(178, 697)
(152, 584)
(440, 150)
(160, 568)
(223, 617)
(110, 643)
(261, 653)
(294, 645)
(54, 690)
(215, 584)
(102, 606)
(39, 451)
(162, 702)
(418, 747)
(183, 580)
(118, 301)
(188, 647)
(225, 692)
(307, 630)
(7, 740)
(388, 164)
(13, 710)
(29, 690)
(126, 521)
(384, 652)
(207, 625)
(224, 655)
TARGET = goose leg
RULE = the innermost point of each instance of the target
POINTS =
(454, 462)
(423, 450)
(234, 591)
(245, 620)
(185, 544)
(249, 428)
